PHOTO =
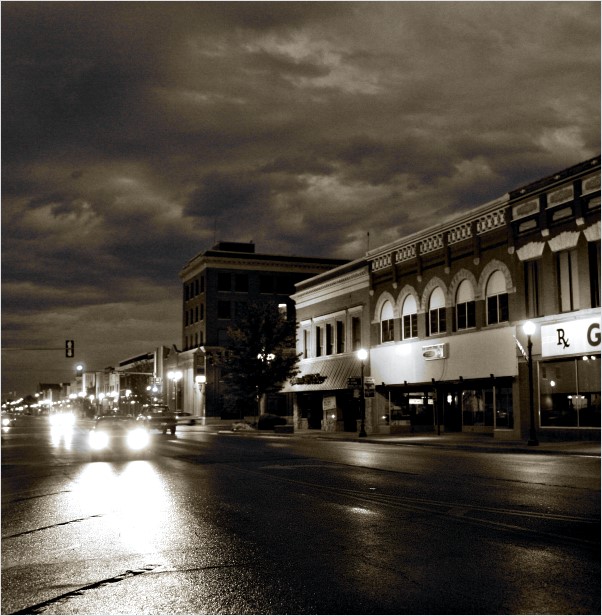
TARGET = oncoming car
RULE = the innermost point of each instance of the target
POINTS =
(119, 435)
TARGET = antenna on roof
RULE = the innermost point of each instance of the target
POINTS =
(368, 241)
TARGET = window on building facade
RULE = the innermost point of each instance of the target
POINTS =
(318, 341)
(593, 249)
(202, 313)
(266, 283)
(497, 299)
(570, 392)
(196, 286)
(340, 333)
(409, 315)
(532, 278)
(387, 323)
(568, 280)
(465, 306)
(437, 312)
(224, 282)
(202, 283)
(305, 344)
(224, 310)
(241, 283)
(356, 333)
(329, 339)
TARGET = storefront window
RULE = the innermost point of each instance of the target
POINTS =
(570, 392)
(504, 416)
(477, 407)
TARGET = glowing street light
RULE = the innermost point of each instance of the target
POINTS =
(175, 376)
(529, 330)
(362, 355)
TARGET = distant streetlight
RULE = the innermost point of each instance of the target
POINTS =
(175, 376)
(362, 355)
(529, 329)
(200, 380)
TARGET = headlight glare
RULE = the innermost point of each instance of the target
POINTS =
(138, 439)
(99, 440)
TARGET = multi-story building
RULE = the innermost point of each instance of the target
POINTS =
(333, 324)
(447, 350)
(217, 285)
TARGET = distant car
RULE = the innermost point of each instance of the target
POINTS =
(8, 420)
(159, 417)
(185, 418)
(119, 435)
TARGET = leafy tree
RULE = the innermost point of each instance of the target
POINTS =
(260, 355)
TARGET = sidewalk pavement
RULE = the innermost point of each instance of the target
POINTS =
(456, 440)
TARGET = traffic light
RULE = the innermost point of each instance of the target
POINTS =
(69, 348)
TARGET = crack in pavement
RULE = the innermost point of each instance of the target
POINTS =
(36, 530)
(40, 607)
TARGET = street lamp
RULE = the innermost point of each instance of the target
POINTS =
(200, 380)
(265, 359)
(362, 355)
(175, 376)
(529, 329)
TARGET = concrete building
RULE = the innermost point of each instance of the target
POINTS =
(447, 350)
(217, 284)
(333, 313)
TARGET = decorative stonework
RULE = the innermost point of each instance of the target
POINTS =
(564, 194)
(382, 300)
(592, 234)
(431, 285)
(492, 220)
(401, 298)
(532, 250)
(590, 184)
(525, 209)
(406, 253)
(460, 233)
(462, 275)
(431, 243)
(564, 241)
(491, 267)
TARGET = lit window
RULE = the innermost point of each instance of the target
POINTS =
(409, 314)
(465, 306)
(437, 312)
(497, 299)
(387, 323)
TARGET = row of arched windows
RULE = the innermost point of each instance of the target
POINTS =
(462, 294)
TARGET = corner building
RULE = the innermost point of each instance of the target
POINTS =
(217, 285)
(446, 306)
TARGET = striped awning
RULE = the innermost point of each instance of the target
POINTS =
(324, 374)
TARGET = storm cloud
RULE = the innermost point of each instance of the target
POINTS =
(135, 134)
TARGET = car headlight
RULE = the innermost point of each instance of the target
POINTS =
(99, 440)
(138, 438)
(5, 421)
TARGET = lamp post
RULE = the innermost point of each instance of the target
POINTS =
(265, 360)
(200, 380)
(175, 376)
(362, 355)
(529, 329)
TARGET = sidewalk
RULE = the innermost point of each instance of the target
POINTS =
(456, 440)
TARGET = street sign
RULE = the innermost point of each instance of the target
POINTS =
(369, 386)
(354, 382)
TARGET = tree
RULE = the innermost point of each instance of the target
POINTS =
(260, 355)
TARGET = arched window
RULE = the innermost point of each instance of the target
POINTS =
(386, 323)
(497, 299)
(465, 306)
(437, 312)
(409, 315)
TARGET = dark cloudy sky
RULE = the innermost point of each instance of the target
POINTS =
(134, 134)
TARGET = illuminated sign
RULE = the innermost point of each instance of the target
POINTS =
(571, 338)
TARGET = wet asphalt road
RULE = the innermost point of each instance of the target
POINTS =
(241, 524)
